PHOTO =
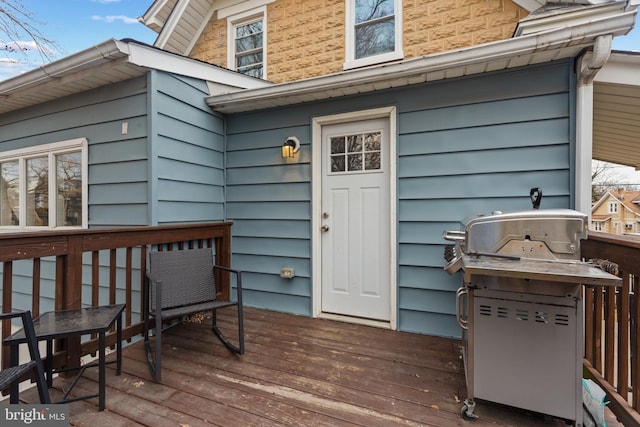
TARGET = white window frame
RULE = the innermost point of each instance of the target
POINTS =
(597, 226)
(51, 151)
(350, 37)
(613, 207)
(244, 18)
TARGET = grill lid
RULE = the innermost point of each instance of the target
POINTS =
(560, 230)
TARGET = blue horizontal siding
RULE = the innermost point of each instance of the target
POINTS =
(292, 229)
(188, 175)
(520, 134)
(465, 146)
(457, 185)
(270, 264)
(117, 162)
(288, 192)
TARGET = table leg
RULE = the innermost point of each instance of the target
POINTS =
(101, 372)
(49, 365)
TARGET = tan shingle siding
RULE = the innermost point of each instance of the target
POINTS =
(306, 38)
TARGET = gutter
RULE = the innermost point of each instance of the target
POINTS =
(119, 52)
(428, 68)
(105, 51)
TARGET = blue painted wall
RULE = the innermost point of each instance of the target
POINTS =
(187, 172)
(117, 163)
(464, 146)
(168, 168)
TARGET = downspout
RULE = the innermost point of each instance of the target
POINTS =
(601, 52)
(586, 73)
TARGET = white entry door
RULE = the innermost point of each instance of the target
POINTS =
(356, 219)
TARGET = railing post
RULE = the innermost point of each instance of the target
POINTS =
(223, 257)
(72, 295)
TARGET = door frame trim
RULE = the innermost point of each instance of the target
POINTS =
(316, 211)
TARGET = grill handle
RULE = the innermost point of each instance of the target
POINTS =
(536, 197)
(461, 298)
(454, 236)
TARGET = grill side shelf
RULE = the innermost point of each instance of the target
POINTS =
(534, 269)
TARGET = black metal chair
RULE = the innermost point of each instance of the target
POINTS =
(180, 283)
(15, 374)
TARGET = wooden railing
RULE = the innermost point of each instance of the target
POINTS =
(67, 249)
(612, 325)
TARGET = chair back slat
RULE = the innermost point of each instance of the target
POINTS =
(186, 276)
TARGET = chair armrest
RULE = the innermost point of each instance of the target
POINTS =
(151, 278)
(238, 274)
(11, 315)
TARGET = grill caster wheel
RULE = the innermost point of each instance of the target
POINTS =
(467, 410)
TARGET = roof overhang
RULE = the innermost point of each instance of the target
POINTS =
(545, 46)
(180, 23)
(616, 110)
(109, 62)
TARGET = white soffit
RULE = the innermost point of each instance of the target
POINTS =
(183, 26)
(109, 62)
(157, 14)
(532, 5)
(616, 110)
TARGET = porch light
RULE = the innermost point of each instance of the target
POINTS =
(290, 147)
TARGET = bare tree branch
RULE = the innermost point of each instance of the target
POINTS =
(19, 31)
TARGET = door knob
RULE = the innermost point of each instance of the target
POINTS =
(325, 228)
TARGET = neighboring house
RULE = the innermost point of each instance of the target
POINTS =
(617, 212)
(391, 153)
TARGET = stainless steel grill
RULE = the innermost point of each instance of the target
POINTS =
(520, 308)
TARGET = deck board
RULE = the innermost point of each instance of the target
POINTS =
(297, 371)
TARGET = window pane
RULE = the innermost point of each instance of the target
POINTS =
(9, 194)
(248, 30)
(354, 162)
(337, 163)
(354, 143)
(247, 60)
(372, 141)
(337, 145)
(253, 71)
(37, 192)
(372, 161)
(368, 10)
(69, 189)
(375, 39)
(249, 43)
(249, 49)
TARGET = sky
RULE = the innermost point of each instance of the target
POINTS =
(76, 25)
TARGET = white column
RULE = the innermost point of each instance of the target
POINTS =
(584, 142)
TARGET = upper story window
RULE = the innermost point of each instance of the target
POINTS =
(247, 41)
(44, 186)
(374, 32)
(613, 207)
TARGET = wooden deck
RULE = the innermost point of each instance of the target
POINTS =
(297, 371)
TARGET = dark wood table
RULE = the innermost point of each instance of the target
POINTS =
(77, 322)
